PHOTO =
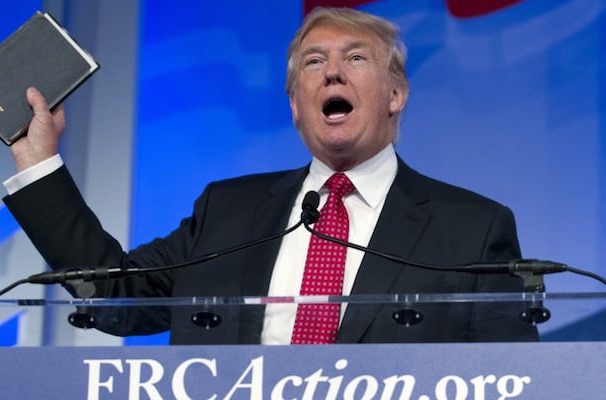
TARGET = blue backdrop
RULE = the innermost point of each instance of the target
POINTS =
(510, 104)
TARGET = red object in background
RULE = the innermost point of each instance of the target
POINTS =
(475, 8)
(458, 8)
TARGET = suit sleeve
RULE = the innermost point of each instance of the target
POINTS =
(67, 234)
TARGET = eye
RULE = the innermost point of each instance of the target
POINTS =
(357, 57)
(312, 62)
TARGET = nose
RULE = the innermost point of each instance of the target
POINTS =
(334, 73)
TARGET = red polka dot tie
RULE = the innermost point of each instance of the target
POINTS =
(324, 268)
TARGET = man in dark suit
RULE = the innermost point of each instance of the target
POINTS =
(347, 87)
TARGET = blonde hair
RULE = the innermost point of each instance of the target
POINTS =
(385, 31)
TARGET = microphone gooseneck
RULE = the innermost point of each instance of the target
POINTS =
(522, 265)
(309, 214)
(519, 267)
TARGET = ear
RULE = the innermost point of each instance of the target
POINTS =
(294, 108)
(399, 98)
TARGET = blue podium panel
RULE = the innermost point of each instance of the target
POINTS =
(418, 372)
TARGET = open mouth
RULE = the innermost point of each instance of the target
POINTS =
(336, 107)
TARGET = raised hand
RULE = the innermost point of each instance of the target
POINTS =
(42, 139)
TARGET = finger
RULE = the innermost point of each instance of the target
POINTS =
(36, 101)
(58, 109)
(58, 115)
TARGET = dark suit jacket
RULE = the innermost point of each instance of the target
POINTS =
(422, 219)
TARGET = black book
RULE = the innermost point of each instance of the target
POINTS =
(40, 54)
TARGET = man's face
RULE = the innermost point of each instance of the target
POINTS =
(345, 102)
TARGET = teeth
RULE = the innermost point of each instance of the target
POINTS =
(336, 115)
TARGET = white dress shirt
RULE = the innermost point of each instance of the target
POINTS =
(372, 180)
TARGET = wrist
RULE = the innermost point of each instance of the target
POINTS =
(25, 156)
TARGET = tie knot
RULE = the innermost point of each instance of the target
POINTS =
(339, 185)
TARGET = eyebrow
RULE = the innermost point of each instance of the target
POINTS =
(360, 44)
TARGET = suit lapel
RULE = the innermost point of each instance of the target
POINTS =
(397, 232)
(270, 217)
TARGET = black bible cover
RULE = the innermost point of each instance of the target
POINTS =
(40, 54)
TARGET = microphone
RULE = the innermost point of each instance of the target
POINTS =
(309, 215)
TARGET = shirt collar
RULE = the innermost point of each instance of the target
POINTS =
(372, 178)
